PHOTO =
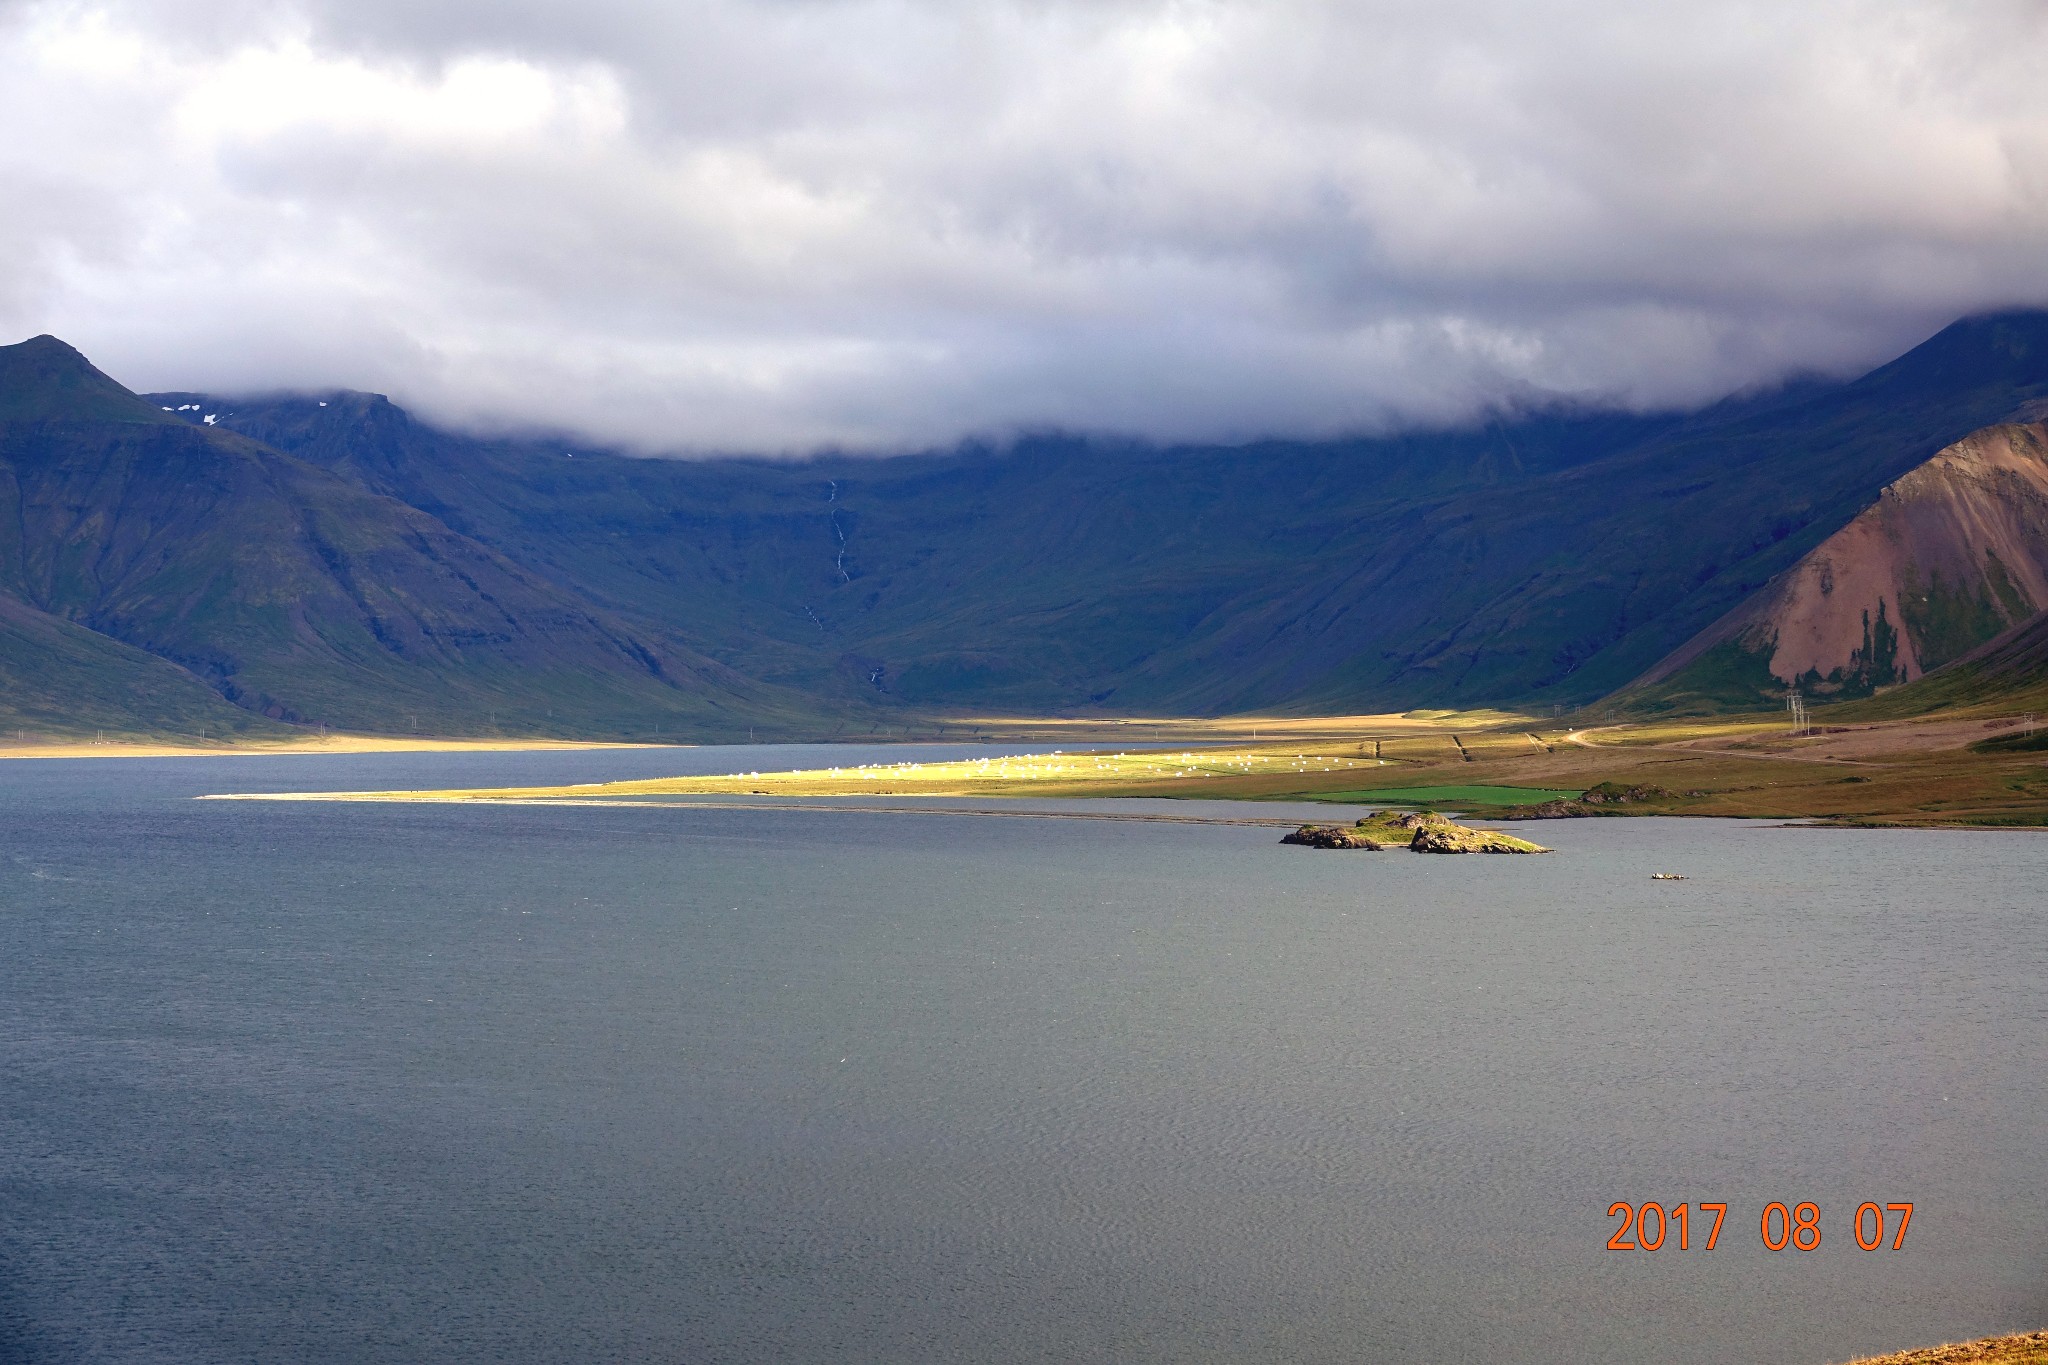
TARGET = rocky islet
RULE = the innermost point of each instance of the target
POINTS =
(1421, 832)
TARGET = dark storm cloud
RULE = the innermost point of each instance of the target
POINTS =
(778, 225)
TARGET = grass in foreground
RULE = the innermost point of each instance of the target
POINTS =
(2028, 1348)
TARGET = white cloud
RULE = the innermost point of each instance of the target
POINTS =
(883, 223)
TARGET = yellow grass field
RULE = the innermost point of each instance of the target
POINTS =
(2029, 1348)
(1918, 772)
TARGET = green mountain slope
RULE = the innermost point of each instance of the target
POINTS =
(294, 593)
(1554, 557)
(43, 379)
(57, 678)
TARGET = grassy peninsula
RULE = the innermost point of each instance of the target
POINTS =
(1942, 770)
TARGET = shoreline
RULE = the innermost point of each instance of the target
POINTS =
(773, 803)
(1925, 774)
(1146, 731)
(337, 744)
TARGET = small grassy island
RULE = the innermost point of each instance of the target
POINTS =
(1423, 832)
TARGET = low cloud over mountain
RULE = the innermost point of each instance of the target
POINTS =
(773, 226)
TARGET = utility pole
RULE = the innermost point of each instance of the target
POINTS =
(1797, 705)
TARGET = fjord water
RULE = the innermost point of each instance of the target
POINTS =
(461, 1083)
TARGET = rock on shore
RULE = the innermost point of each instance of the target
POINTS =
(1335, 836)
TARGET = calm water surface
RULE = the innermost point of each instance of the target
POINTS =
(362, 1083)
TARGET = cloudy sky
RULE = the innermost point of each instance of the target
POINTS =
(781, 224)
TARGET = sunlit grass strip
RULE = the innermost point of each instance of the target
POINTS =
(1210, 731)
(1682, 731)
(1912, 786)
(1004, 772)
(1010, 774)
(775, 807)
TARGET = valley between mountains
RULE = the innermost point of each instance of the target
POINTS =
(1556, 597)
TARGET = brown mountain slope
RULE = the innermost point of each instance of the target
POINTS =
(1951, 554)
(297, 594)
(2005, 676)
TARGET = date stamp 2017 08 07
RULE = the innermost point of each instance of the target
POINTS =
(1798, 1227)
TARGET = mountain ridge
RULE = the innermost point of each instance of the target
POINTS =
(332, 558)
(44, 379)
(1948, 555)
(294, 593)
(1553, 558)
